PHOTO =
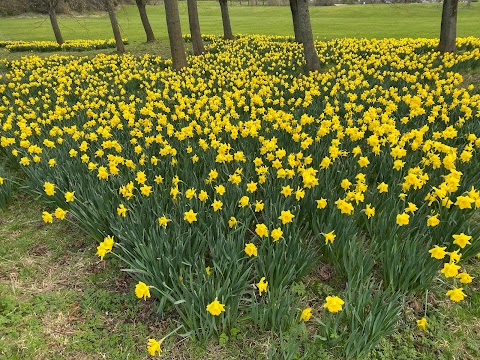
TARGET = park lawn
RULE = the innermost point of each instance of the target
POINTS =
(360, 21)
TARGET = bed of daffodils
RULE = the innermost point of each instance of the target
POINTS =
(68, 45)
(223, 185)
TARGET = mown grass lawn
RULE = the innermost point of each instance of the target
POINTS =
(361, 21)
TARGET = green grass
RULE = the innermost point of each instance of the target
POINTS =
(56, 300)
(369, 21)
(361, 21)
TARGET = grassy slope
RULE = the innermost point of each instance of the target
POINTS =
(381, 20)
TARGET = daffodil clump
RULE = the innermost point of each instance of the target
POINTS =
(205, 37)
(68, 45)
(223, 184)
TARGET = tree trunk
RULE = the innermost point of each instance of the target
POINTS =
(311, 56)
(141, 5)
(227, 28)
(296, 21)
(115, 27)
(53, 20)
(177, 48)
(195, 27)
(448, 30)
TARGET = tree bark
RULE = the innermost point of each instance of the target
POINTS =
(311, 56)
(141, 5)
(115, 27)
(177, 48)
(195, 27)
(227, 28)
(53, 20)
(448, 30)
(296, 21)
